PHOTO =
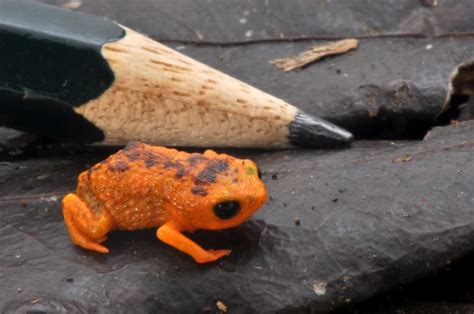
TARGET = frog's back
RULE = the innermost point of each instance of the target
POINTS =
(135, 184)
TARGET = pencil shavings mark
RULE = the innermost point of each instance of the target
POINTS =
(315, 53)
(405, 158)
(319, 287)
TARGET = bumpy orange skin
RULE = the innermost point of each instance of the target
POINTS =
(145, 186)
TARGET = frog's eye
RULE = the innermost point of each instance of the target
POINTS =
(259, 173)
(227, 209)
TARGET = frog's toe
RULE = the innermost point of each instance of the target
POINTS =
(85, 234)
(80, 238)
(214, 255)
(85, 242)
(95, 247)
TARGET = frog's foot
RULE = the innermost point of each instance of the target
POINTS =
(171, 235)
(87, 229)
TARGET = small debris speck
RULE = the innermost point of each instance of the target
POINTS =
(274, 177)
(429, 47)
(430, 3)
(34, 301)
(199, 35)
(346, 278)
(334, 200)
(297, 221)
(248, 33)
(243, 20)
(72, 5)
(319, 287)
(221, 306)
(18, 290)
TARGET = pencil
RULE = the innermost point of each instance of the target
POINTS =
(81, 78)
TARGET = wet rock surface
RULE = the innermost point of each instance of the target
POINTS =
(231, 21)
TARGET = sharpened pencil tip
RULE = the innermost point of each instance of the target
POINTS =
(310, 131)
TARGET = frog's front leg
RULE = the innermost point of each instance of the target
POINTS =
(86, 228)
(171, 235)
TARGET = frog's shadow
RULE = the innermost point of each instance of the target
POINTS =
(134, 246)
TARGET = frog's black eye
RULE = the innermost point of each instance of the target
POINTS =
(259, 173)
(227, 209)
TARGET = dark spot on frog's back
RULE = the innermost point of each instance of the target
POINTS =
(180, 171)
(209, 174)
(153, 159)
(199, 190)
(196, 158)
(150, 162)
(133, 150)
(132, 155)
(220, 165)
(132, 146)
(118, 166)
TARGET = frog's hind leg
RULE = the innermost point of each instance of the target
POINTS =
(86, 227)
(171, 235)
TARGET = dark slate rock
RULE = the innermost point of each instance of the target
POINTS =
(448, 291)
(396, 220)
(225, 21)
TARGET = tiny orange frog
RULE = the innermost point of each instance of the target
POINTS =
(144, 186)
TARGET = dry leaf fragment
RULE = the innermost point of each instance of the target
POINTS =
(405, 158)
(315, 53)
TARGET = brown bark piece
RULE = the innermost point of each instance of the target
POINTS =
(315, 53)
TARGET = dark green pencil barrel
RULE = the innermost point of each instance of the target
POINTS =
(51, 62)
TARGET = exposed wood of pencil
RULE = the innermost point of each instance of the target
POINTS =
(164, 97)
